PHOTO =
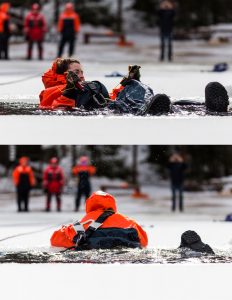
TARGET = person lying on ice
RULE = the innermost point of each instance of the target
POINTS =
(65, 87)
(101, 228)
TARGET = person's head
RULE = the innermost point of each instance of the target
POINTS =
(83, 161)
(23, 161)
(35, 8)
(54, 162)
(176, 157)
(69, 64)
(166, 4)
(100, 201)
(69, 7)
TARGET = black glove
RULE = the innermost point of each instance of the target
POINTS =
(73, 85)
(134, 73)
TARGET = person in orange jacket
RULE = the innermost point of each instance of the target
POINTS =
(65, 86)
(4, 30)
(83, 170)
(101, 228)
(24, 180)
(68, 26)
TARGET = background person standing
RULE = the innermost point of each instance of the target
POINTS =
(68, 27)
(83, 170)
(177, 167)
(4, 30)
(166, 22)
(24, 180)
(35, 29)
(53, 183)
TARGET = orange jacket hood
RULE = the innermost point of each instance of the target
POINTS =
(100, 201)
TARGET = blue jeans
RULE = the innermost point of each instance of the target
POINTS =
(166, 38)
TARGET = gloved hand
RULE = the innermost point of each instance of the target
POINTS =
(73, 85)
(134, 73)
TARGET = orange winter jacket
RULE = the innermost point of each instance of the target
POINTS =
(51, 97)
(79, 168)
(50, 78)
(95, 206)
(20, 171)
(69, 20)
(4, 17)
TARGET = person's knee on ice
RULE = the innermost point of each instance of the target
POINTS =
(191, 240)
(101, 228)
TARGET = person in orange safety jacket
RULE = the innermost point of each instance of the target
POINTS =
(24, 180)
(101, 228)
(131, 97)
(4, 30)
(68, 26)
(65, 86)
(83, 170)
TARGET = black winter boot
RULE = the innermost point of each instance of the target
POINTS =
(216, 97)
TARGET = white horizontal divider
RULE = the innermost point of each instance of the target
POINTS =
(115, 130)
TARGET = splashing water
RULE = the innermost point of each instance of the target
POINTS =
(119, 256)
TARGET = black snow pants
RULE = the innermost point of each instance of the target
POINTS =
(82, 190)
(165, 45)
(23, 198)
(30, 49)
(70, 40)
(4, 46)
(58, 201)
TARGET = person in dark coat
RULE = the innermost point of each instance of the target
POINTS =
(177, 167)
(166, 21)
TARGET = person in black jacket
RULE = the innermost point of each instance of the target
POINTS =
(177, 167)
(166, 16)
